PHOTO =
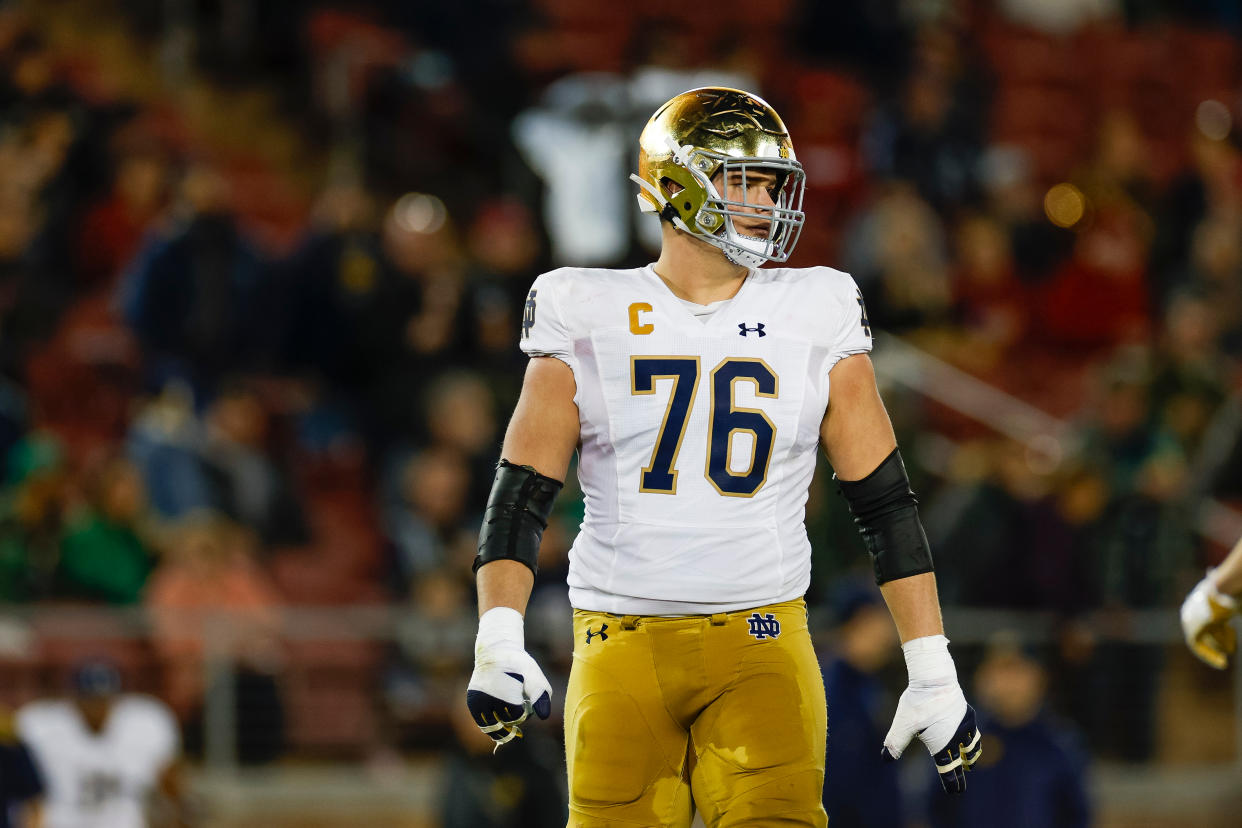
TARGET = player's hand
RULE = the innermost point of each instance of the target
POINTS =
(506, 684)
(934, 709)
(1206, 614)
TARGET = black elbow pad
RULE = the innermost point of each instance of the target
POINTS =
(887, 515)
(517, 513)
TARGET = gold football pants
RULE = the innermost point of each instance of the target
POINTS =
(723, 713)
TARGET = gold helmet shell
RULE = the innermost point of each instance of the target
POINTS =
(694, 143)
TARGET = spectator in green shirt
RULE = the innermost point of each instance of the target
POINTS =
(31, 516)
(103, 555)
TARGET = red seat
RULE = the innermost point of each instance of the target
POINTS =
(83, 379)
(1021, 55)
(20, 680)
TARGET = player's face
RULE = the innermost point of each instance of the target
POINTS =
(95, 710)
(758, 190)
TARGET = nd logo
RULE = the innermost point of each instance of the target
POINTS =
(764, 626)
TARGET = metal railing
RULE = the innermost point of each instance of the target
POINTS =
(898, 361)
(370, 626)
(35, 626)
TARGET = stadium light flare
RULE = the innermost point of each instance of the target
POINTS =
(420, 213)
(1065, 205)
(1213, 120)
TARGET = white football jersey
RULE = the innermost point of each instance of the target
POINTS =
(698, 433)
(99, 780)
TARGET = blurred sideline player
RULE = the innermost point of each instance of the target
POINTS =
(106, 757)
(21, 786)
(1209, 609)
(696, 391)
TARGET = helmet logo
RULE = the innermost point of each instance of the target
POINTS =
(741, 112)
(729, 102)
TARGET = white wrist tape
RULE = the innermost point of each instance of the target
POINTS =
(500, 624)
(928, 662)
(1224, 599)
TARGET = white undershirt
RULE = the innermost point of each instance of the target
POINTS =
(703, 312)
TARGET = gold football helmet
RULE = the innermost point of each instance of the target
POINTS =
(698, 143)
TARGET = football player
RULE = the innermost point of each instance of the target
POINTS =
(104, 755)
(696, 391)
(1208, 611)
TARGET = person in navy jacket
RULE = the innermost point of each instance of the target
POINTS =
(861, 789)
(1034, 771)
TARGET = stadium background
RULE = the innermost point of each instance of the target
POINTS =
(262, 267)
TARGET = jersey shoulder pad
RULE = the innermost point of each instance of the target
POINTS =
(147, 723)
(146, 709)
(41, 716)
(819, 278)
(571, 282)
(836, 282)
(830, 306)
(561, 301)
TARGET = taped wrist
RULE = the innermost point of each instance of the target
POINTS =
(1214, 592)
(887, 515)
(928, 662)
(517, 513)
(497, 625)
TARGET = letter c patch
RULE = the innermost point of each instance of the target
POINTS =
(637, 327)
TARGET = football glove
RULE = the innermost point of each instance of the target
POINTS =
(507, 684)
(1206, 614)
(934, 709)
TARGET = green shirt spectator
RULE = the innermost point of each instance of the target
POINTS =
(102, 554)
(31, 507)
(103, 560)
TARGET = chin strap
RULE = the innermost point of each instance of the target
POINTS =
(747, 257)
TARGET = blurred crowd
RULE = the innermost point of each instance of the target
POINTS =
(262, 277)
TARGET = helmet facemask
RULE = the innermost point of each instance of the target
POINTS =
(719, 215)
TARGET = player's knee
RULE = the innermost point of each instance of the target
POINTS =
(612, 760)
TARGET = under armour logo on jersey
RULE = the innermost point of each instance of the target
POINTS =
(603, 636)
(743, 330)
(528, 316)
(764, 626)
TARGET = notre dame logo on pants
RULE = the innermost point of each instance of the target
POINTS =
(723, 713)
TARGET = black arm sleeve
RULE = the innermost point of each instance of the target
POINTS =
(517, 513)
(887, 515)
